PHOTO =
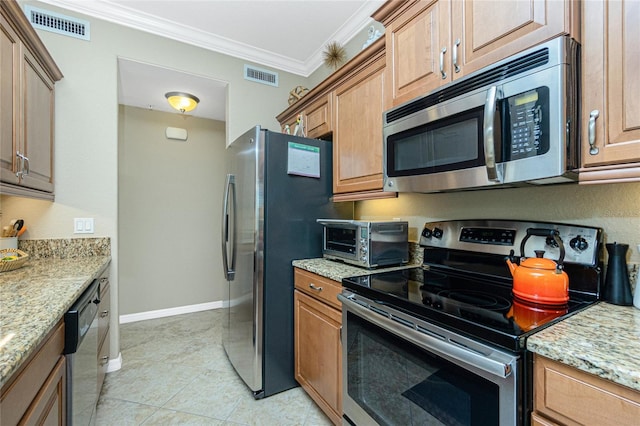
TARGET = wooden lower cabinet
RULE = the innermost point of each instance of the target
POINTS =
(564, 395)
(318, 350)
(35, 395)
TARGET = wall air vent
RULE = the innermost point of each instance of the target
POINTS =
(57, 23)
(259, 75)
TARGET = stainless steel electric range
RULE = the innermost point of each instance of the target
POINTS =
(445, 343)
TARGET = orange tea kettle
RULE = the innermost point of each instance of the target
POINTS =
(537, 279)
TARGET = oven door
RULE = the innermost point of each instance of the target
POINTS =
(398, 370)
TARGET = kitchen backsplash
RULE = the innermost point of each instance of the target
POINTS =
(66, 248)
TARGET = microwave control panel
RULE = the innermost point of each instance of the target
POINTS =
(528, 123)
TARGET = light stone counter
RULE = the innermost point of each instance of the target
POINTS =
(603, 340)
(34, 298)
(336, 271)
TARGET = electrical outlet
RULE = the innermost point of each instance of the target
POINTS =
(83, 225)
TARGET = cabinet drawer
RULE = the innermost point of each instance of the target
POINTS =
(319, 287)
(571, 397)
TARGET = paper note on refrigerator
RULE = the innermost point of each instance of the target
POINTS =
(303, 160)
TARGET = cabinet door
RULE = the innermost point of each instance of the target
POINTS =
(37, 109)
(318, 353)
(572, 397)
(357, 139)
(415, 40)
(493, 30)
(611, 60)
(10, 48)
(318, 117)
(49, 407)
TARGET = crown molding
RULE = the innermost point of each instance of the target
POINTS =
(122, 15)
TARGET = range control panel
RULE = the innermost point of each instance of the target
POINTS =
(581, 243)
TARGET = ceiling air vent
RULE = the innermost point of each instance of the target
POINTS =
(57, 23)
(261, 76)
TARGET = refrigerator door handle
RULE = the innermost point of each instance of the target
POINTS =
(229, 192)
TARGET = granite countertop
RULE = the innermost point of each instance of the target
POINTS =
(603, 340)
(337, 270)
(34, 298)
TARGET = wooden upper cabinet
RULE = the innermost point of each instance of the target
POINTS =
(318, 117)
(38, 104)
(489, 31)
(10, 52)
(357, 137)
(433, 42)
(27, 107)
(610, 88)
(415, 40)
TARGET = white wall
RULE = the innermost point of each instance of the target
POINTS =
(169, 195)
(613, 207)
(87, 125)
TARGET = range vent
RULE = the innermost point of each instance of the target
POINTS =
(260, 75)
(57, 23)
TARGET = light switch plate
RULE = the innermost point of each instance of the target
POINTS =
(83, 225)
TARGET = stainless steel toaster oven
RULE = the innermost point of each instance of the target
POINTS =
(368, 244)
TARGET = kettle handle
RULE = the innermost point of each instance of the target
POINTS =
(544, 232)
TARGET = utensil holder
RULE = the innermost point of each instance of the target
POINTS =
(617, 289)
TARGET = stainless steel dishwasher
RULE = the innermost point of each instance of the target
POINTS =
(81, 351)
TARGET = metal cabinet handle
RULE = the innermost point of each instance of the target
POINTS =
(104, 314)
(456, 67)
(442, 52)
(592, 132)
(20, 169)
(104, 360)
(313, 287)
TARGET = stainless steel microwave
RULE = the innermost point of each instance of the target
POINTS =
(510, 124)
(365, 243)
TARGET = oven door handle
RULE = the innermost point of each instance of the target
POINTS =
(444, 348)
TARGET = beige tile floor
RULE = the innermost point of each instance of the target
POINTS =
(175, 372)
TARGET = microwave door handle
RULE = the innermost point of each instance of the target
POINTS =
(489, 140)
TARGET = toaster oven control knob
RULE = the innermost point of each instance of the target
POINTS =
(579, 243)
(426, 232)
(437, 232)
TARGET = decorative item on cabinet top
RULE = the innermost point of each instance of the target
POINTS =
(296, 94)
(334, 55)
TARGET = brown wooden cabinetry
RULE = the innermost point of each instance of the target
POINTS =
(357, 150)
(432, 42)
(318, 350)
(35, 395)
(567, 396)
(316, 119)
(104, 315)
(610, 105)
(27, 107)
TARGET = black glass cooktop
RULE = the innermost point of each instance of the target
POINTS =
(472, 305)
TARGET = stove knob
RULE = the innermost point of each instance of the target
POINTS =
(427, 300)
(426, 232)
(437, 232)
(551, 242)
(579, 243)
(437, 304)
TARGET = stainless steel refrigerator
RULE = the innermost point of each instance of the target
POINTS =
(277, 185)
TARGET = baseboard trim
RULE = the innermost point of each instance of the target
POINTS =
(161, 313)
(115, 364)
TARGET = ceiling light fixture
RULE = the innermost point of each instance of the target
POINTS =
(183, 102)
